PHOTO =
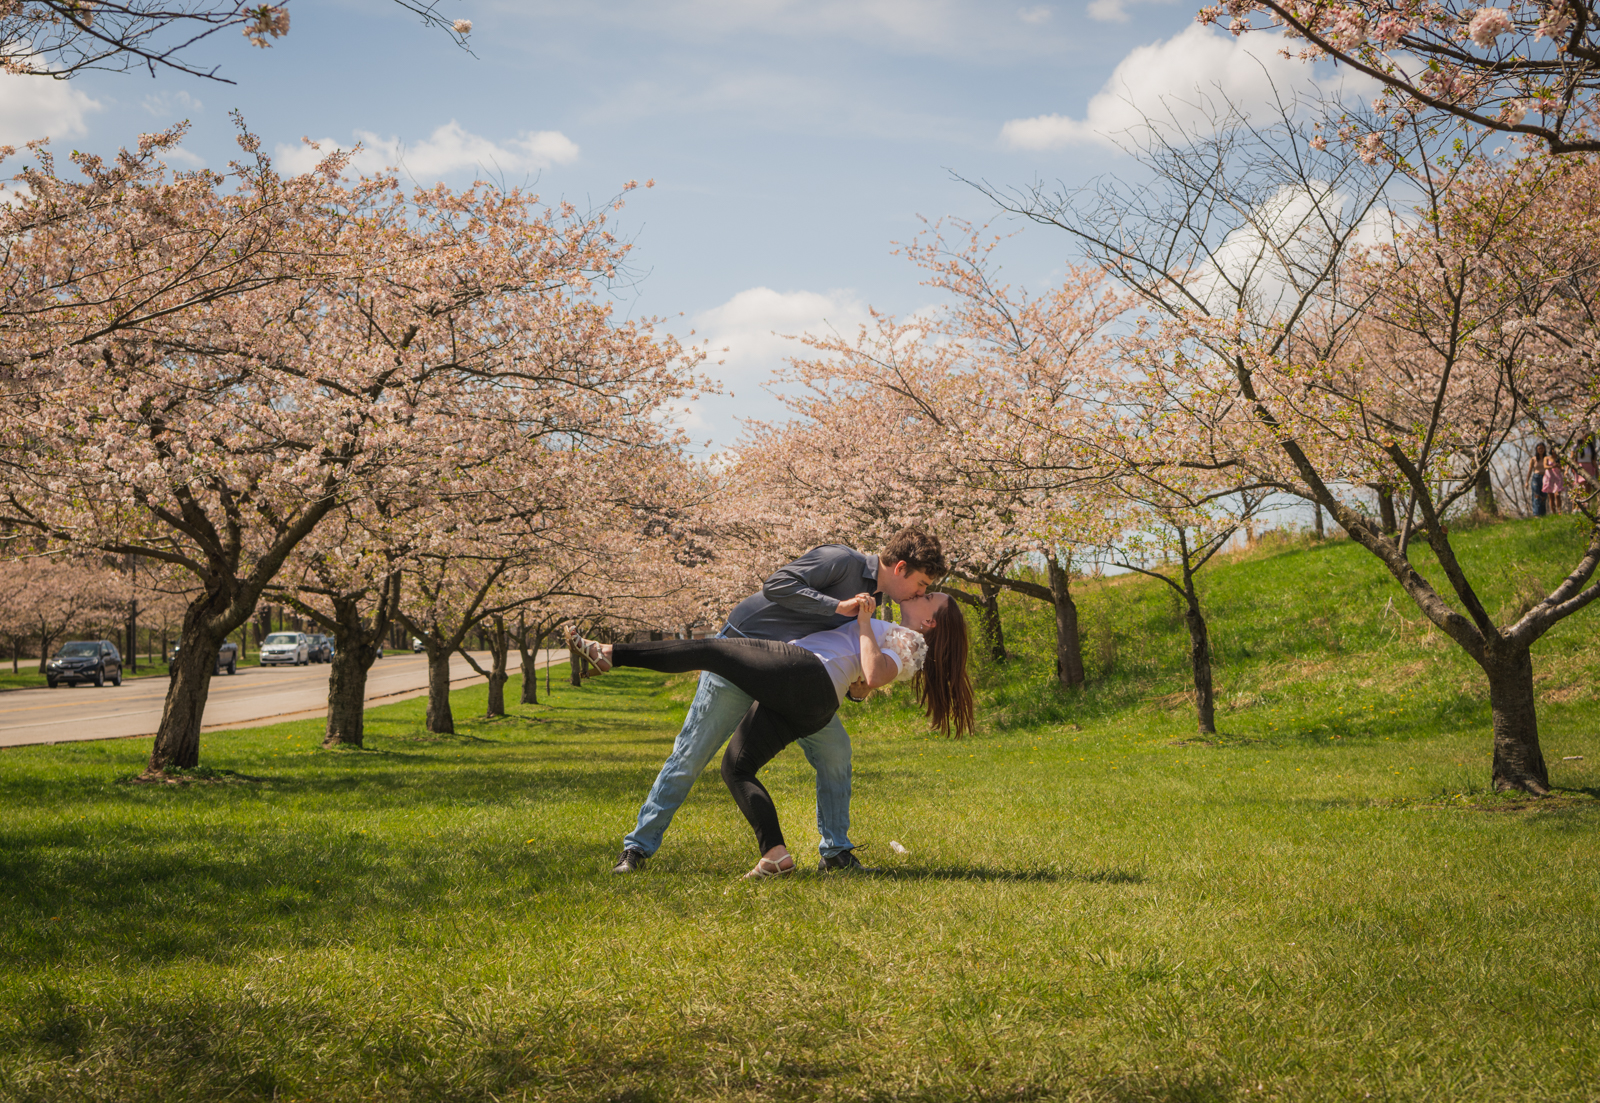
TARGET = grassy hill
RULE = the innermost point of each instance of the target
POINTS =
(1312, 642)
(1320, 903)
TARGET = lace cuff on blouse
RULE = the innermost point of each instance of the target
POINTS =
(909, 647)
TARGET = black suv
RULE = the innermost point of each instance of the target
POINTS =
(321, 650)
(227, 657)
(96, 661)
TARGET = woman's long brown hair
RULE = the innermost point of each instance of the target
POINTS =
(943, 689)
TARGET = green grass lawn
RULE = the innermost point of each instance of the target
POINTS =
(1321, 903)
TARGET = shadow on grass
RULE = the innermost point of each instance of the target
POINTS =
(91, 1045)
(385, 779)
(146, 896)
(1050, 876)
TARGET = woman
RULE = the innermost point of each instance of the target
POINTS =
(798, 686)
(1536, 482)
(1553, 484)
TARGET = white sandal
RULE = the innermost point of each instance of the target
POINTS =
(588, 648)
(766, 867)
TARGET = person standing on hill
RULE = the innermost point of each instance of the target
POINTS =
(1553, 483)
(1536, 479)
(816, 592)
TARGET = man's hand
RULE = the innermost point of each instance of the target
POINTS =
(857, 690)
(852, 606)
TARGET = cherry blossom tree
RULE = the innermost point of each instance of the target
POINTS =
(1282, 262)
(1530, 69)
(14, 627)
(1174, 518)
(921, 421)
(452, 593)
(202, 369)
(535, 624)
(42, 600)
(555, 531)
(347, 579)
(1042, 362)
(1090, 456)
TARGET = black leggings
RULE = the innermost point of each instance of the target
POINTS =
(794, 697)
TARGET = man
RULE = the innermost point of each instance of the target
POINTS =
(812, 594)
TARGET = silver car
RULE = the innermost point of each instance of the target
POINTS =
(283, 648)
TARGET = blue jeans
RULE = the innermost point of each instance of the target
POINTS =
(1537, 486)
(718, 707)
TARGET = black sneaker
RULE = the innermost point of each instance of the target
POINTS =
(631, 861)
(844, 862)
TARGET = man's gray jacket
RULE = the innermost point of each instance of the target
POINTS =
(803, 597)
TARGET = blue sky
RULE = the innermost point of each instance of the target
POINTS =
(791, 143)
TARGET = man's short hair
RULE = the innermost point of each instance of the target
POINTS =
(919, 549)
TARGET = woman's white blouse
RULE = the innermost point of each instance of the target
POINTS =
(840, 651)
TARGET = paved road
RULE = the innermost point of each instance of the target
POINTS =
(244, 699)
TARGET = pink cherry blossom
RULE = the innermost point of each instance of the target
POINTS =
(1488, 25)
(1452, 58)
(266, 21)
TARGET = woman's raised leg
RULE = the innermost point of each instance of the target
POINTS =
(789, 680)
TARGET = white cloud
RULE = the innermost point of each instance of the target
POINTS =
(947, 28)
(167, 105)
(1267, 259)
(177, 155)
(1035, 16)
(1116, 11)
(754, 327)
(747, 333)
(1172, 81)
(38, 107)
(1281, 247)
(1108, 11)
(449, 149)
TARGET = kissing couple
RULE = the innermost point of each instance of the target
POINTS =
(778, 673)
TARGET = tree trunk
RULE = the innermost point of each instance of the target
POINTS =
(575, 660)
(1200, 662)
(1484, 490)
(133, 636)
(178, 738)
(347, 693)
(440, 719)
(1317, 513)
(499, 652)
(1518, 761)
(1386, 515)
(354, 652)
(530, 669)
(1069, 648)
(994, 633)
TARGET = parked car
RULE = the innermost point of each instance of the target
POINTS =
(286, 648)
(96, 661)
(416, 646)
(227, 657)
(321, 648)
